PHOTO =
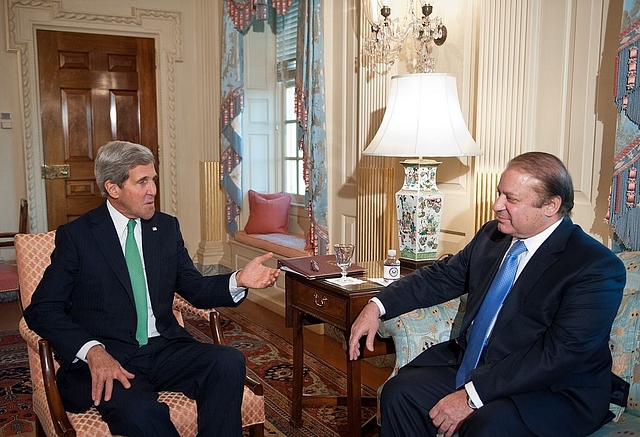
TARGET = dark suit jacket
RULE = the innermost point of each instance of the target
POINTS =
(549, 349)
(85, 294)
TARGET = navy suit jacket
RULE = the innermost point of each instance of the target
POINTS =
(86, 294)
(548, 350)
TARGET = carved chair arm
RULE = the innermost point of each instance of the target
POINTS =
(58, 414)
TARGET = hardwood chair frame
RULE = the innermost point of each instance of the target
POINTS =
(9, 272)
(23, 221)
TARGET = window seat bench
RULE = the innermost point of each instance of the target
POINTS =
(285, 245)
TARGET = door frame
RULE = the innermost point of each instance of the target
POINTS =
(25, 17)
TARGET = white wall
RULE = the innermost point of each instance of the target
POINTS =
(341, 88)
(12, 179)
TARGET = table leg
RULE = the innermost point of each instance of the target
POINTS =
(354, 397)
(298, 349)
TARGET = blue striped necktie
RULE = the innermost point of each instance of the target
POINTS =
(496, 295)
(136, 273)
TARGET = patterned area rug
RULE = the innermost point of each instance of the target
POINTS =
(16, 416)
(268, 361)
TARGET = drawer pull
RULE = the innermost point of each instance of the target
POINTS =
(320, 301)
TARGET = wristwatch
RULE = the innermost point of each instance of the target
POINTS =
(470, 403)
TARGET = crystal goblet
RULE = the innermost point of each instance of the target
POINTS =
(344, 253)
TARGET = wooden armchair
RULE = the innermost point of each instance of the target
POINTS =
(8, 272)
(33, 256)
(6, 238)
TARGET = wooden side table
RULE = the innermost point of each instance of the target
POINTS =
(318, 301)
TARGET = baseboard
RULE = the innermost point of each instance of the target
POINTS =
(269, 300)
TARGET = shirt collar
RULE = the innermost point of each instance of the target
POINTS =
(533, 243)
(119, 220)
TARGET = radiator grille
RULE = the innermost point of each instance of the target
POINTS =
(486, 186)
(376, 212)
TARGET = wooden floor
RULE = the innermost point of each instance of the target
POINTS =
(322, 346)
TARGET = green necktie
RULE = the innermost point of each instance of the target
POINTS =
(136, 272)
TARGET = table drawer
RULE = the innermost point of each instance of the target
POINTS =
(318, 303)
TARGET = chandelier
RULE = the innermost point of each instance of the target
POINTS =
(389, 34)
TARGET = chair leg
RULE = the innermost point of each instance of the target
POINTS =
(39, 429)
(256, 430)
(20, 304)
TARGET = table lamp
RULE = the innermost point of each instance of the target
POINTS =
(422, 119)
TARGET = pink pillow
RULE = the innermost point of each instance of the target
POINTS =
(268, 213)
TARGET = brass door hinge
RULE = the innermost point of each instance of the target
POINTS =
(55, 171)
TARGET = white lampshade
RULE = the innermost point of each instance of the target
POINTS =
(423, 119)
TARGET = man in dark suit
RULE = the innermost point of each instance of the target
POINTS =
(88, 307)
(545, 368)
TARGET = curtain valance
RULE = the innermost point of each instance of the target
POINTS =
(243, 12)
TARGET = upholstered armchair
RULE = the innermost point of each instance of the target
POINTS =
(33, 256)
(418, 330)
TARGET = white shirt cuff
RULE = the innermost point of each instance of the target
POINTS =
(237, 293)
(473, 394)
(379, 304)
(82, 353)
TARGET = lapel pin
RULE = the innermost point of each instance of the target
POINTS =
(154, 229)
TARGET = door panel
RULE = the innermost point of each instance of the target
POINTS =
(93, 89)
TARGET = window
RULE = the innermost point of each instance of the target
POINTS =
(292, 162)
(286, 41)
(270, 152)
(292, 155)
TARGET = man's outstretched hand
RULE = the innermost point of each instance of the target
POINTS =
(365, 324)
(256, 275)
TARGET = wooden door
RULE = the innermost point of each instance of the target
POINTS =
(93, 89)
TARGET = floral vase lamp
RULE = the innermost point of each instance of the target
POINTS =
(422, 119)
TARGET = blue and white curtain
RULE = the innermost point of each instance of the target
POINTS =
(232, 87)
(311, 115)
(624, 206)
(310, 107)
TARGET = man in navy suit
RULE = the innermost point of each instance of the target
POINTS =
(85, 307)
(545, 368)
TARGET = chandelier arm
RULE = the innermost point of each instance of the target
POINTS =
(443, 38)
(388, 35)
